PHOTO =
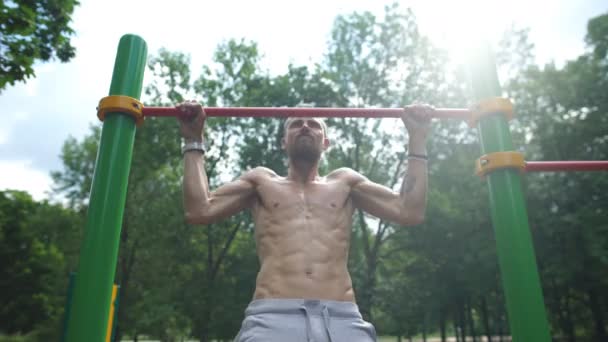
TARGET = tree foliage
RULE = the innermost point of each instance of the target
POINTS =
(37, 242)
(32, 31)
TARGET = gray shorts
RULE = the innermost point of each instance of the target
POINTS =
(304, 320)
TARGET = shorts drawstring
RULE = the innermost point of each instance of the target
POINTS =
(326, 318)
(326, 322)
(308, 326)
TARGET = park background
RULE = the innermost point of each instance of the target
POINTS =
(178, 281)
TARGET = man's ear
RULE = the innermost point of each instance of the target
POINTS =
(282, 143)
(326, 144)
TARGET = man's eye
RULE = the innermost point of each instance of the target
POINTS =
(314, 124)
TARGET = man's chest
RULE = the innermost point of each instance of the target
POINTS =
(284, 195)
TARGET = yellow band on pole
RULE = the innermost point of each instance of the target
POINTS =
(121, 104)
(111, 318)
(499, 160)
(489, 106)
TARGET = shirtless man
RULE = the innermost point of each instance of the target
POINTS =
(303, 226)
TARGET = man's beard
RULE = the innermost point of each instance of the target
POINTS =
(304, 153)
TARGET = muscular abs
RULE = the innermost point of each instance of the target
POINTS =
(302, 236)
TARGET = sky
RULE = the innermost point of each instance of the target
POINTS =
(39, 115)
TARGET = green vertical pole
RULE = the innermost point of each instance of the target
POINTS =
(519, 272)
(68, 305)
(92, 293)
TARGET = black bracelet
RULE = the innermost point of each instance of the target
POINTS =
(418, 156)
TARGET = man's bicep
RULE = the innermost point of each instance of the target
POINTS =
(375, 199)
(366, 192)
(228, 199)
(236, 191)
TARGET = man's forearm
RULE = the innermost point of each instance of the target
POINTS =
(195, 184)
(414, 186)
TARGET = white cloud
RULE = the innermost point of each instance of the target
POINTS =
(18, 175)
(8, 123)
(21, 116)
(31, 87)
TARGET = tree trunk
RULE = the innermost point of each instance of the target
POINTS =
(371, 253)
(203, 324)
(462, 321)
(500, 329)
(127, 260)
(367, 292)
(204, 335)
(424, 323)
(485, 319)
(598, 317)
(214, 262)
(471, 321)
(399, 338)
(442, 324)
(566, 318)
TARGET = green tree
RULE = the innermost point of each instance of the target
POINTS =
(33, 31)
(37, 242)
(75, 180)
(562, 112)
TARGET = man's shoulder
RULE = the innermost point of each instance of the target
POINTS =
(347, 174)
(259, 173)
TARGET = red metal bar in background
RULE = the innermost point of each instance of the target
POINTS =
(440, 113)
(575, 165)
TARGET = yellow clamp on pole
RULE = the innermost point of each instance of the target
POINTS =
(499, 160)
(121, 104)
(492, 105)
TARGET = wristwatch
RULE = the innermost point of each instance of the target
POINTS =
(194, 146)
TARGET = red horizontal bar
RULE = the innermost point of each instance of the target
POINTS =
(574, 165)
(440, 113)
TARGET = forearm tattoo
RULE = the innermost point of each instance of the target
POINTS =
(410, 183)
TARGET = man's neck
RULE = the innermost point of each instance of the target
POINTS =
(302, 171)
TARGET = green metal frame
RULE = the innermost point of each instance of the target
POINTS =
(521, 282)
(93, 288)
